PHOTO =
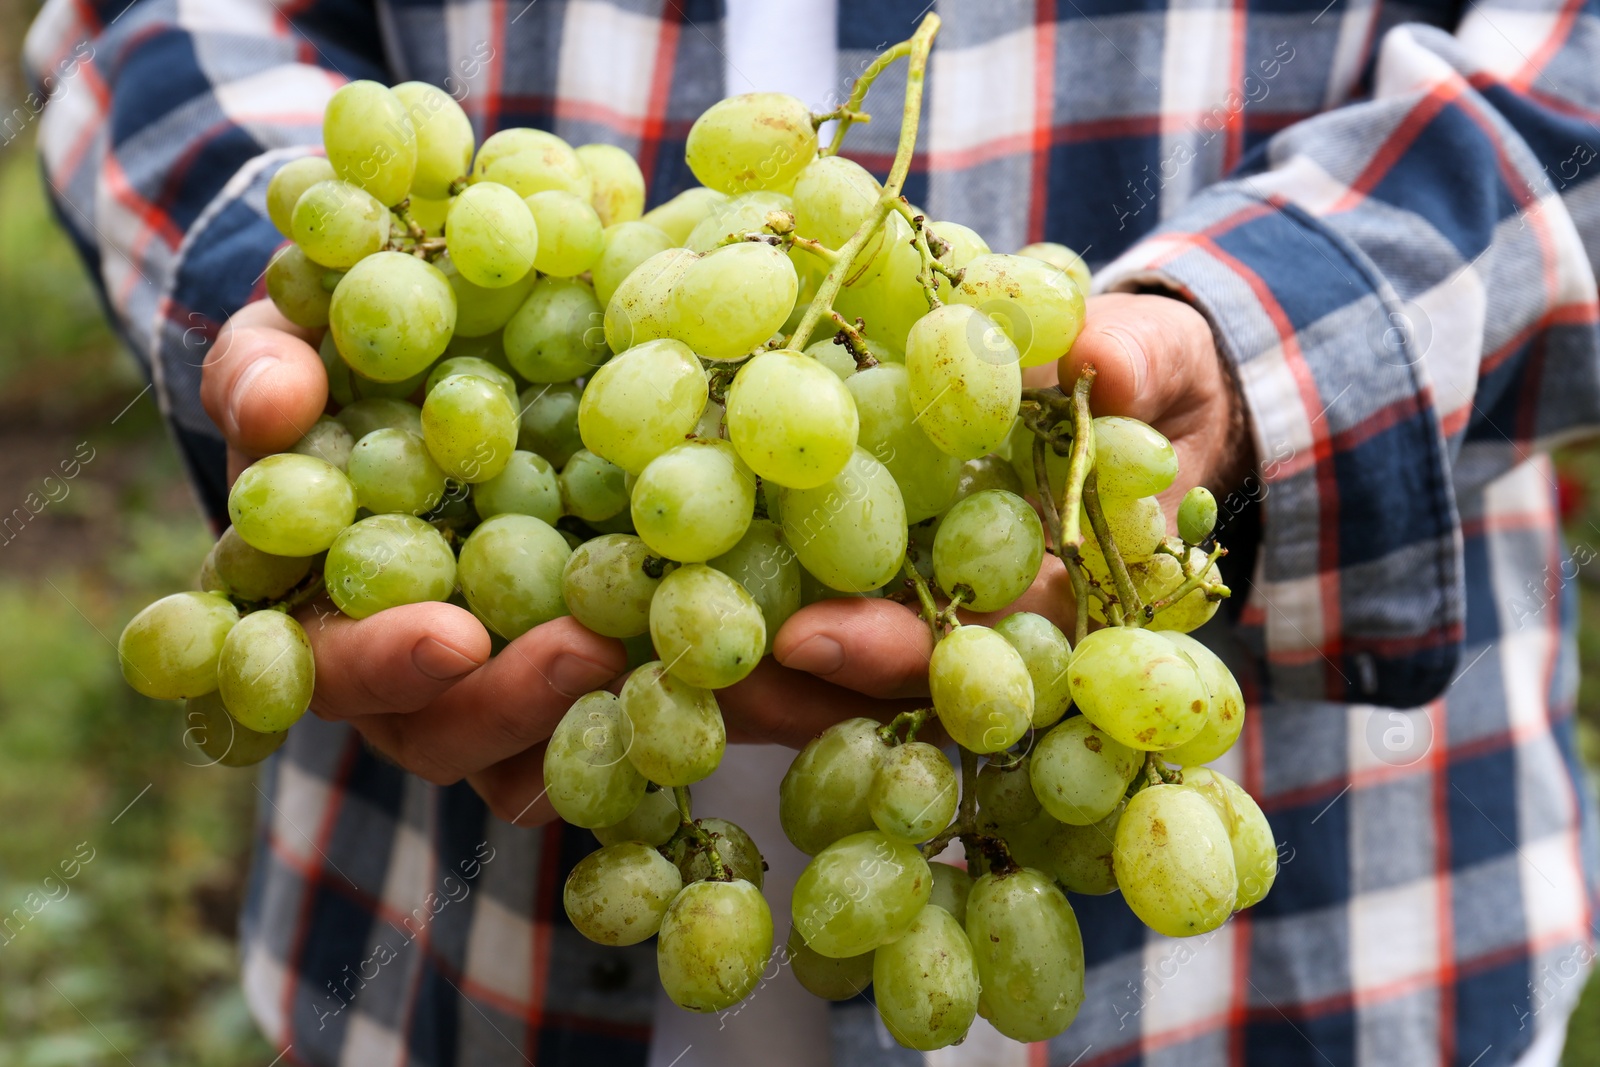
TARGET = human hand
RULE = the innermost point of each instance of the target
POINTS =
(416, 681)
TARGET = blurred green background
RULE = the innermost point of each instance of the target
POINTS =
(133, 960)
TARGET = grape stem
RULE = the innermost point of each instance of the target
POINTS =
(966, 824)
(850, 111)
(931, 267)
(309, 589)
(909, 721)
(1194, 578)
(694, 836)
(842, 113)
(854, 342)
(1157, 773)
(916, 49)
(1128, 605)
(930, 610)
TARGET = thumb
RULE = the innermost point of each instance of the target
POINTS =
(264, 387)
(1153, 356)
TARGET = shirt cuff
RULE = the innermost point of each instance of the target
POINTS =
(1358, 592)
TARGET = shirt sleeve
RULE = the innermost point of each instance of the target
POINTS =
(1405, 288)
(162, 123)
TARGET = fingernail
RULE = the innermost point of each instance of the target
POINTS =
(574, 676)
(819, 654)
(439, 661)
(241, 389)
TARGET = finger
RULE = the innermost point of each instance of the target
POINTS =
(263, 388)
(777, 705)
(1050, 595)
(264, 315)
(514, 788)
(1151, 354)
(509, 704)
(876, 647)
(398, 660)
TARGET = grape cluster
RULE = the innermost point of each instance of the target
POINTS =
(550, 402)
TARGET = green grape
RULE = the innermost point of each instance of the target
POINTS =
(1255, 850)
(392, 315)
(1137, 525)
(213, 731)
(694, 502)
(732, 300)
(370, 140)
(889, 431)
(327, 440)
(1005, 791)
(769, 572)
(388, 560)
(1062, 258)
(169, 650)
(639, 308)
(892, 302)
(989, 472)
(965, 381)
(1197, 515)
(362, 388)
(708, 630)
(526, 486)
(1224, 712)
(265, 673)
(607, 586)
(627, 244)
(531, 161)
(736, 849)
(1079, 772)
(379, 413)
(678, 217)
(653, 821)
(571, 235)
(914, 793)
(618, 195)
(1161, 574)
(288, 183)
(587, 775)
(714, 944)
(248, 573)
(338, 224)
(812, 591)
(926, 982)
(470, 427)
(678, 735)
(340, 377)
(951, 887)
(752, 141)
(860, 892)
(295, 285)
(473, 365)
(832, 198)
(1174, 861)
(1030, 842)
(556, 335)
(1046, 653)
(489, 347)
(823, 795)
(510, 572)
(836, 358)
(394, 474)
(549, 423)
(444, 138)
(827, 978)
(981, 689)
(1029, 954)
(990, 544)
(493, 238)
(1081, 857)
(1139, 687)
(1131, 458)
(593, 489)
(965, 244)
(481, 312)
(1038, 306)
(791, 419)
(291, 505)
(617, 895)
(745, 213)
(850, 532)
(429, 214)
(642, 402)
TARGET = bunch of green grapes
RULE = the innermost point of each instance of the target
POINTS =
(546, 401)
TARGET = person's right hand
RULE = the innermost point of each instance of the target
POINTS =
(416, 681)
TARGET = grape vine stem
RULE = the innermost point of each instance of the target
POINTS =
(695, 835)
(916, 49)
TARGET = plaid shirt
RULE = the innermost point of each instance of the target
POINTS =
(1389, 214)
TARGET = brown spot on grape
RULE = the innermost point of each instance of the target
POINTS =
(1146, 734)
(1092, 743)
(1158, 831)
(1198, 707)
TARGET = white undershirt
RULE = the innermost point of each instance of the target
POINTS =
(787, 46)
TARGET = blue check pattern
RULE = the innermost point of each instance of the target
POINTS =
(1388, 212)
